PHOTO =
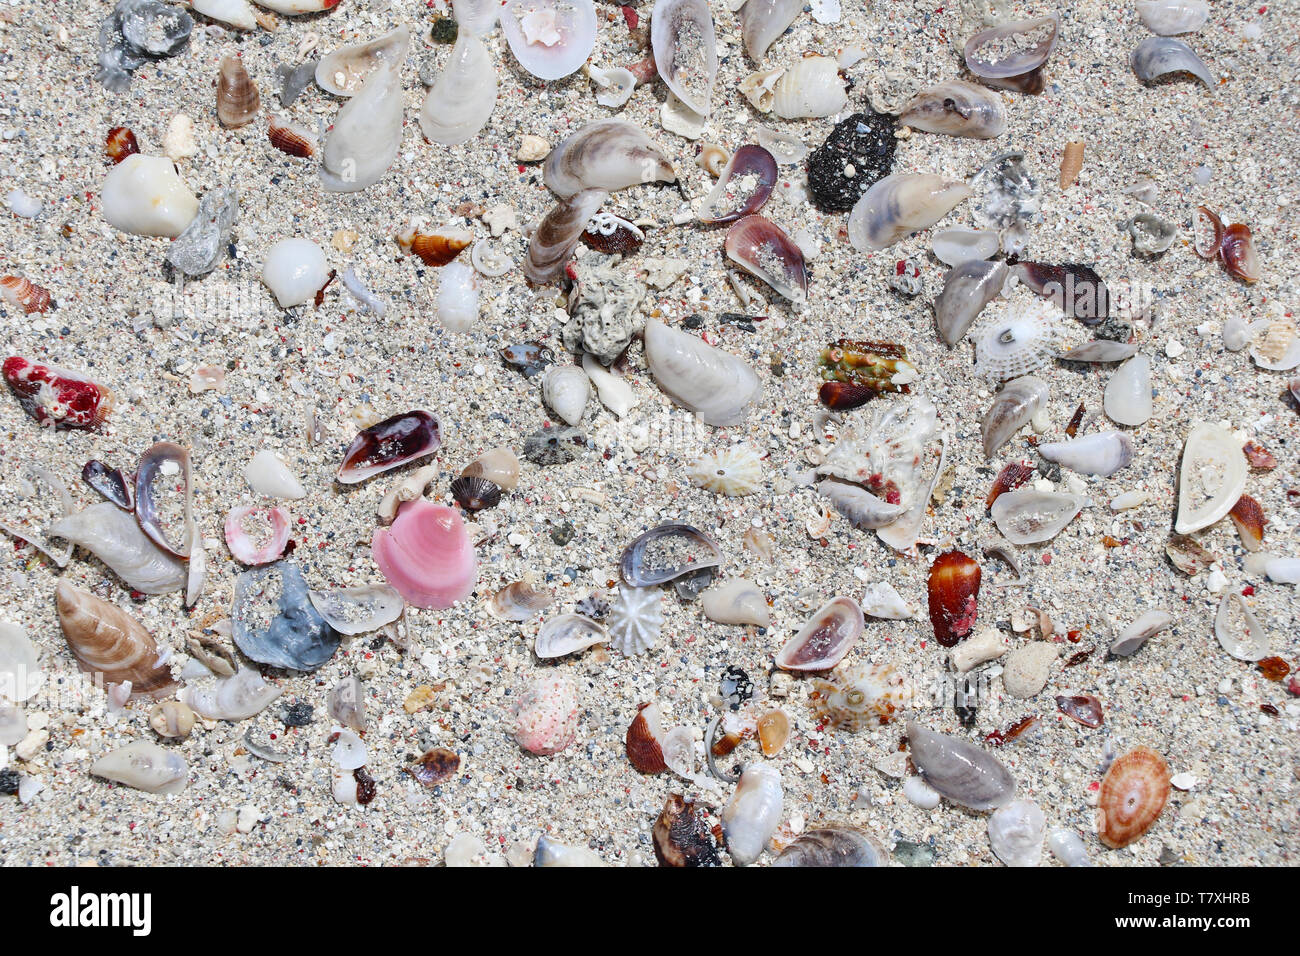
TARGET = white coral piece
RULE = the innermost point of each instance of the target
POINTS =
(733, 471)
(635, 620)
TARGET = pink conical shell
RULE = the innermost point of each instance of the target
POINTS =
(426, 555)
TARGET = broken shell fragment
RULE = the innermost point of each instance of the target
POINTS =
(567, 634)
(519, 601)
(426, 555)
(434, 766)
(855, 372)
(1158, 57)
(1030, 516)
(956, 108)
(954, 246)
(861, 508)
(716, 385)
(145, 766)
(986, 646)
(811, 88)
(1102, 453)
(667, 552)
(275, 623)
(1012, 55)
(959, 770)
(144, 196)
(762, 248)
(358, 610)
(271, 538)
(1149, 624)
(392, 443)
(967, 289)
(1074, 288)
(1237, 630)
(164, 464)
(900, 205)
(743, 186)
(762, 21)
(1127, 399)
(108, 642)
(120, 143)
(57, 396)
(366, 135)
(345, 71)
(865, 696)
(615, 85)
(233, 698)
(111, 483)
(954, 585)
(735, 601)
(1249, 518)
(612, 234)
(237, 97)
(1171, 17)
(1151, 235)
(1211, 478)
(825, 639)
(1237, 250)
(1012, 476)
(1133, 794)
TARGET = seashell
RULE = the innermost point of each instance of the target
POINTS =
(743, 186)
(1158, 57)
(171, 719)
(566, 634)
(1151, 235)
(610, 155)
(407, 489)
(554, 446)
(553, 241)
(1030, 516)
(786, 148)
(1071, 164)
(1011, 56)
(114, 536)
(865, 696)
(144, 196)
(1082, 709)
(954, 587)
(713, 159)
(546, 714)
(24, 294)
(460, 101)
(1237, 630)
(1127, 398)
(550, 38)
(457, 299)
(394, 442)
(856, 155)
(612, 234)
(237, 97)
(812, 87)
(1237, 251)
(344, 71)
(267, 475)
(763, 21)
(292, 138)
(1207, 233)
(275, 623)
(1100, 350)
(825, 639)
(1170, 17)
(900, 205)
(733, 471)
(752, 815)
(956, 108)
(881, 600)
(1067, 846)
(111, 483)
(20, 674)
(1102, 453)
(1249, 519)
(475, 494)
(967, 288)
(487, 260)
(145, 766)
(735, 601)
(236, 13)
(242, 545)
(1279, 350)
(685, 51)
(762, 248)
(682, 838)
(294, 8)
(959, 244)
(434, 766)
(642, 743)
(498, 465)
(635, 620)
(436, 248)
(1018, 401)
(1012, 476)
(615, 85)
(358, 610)
(426, 555)
(108, 642)
(986, 646)
(667, 552)
(1019, 341)
(833, 846)
(566, 390)
(1211, 478)
(366, 135)
(519, 601)
(477, 16)
(760, 88)
(1147, 626)
(760, 543)
(1133, 794)
(676, 117)
(613, 390)
(120, 143)
(232, 698)
(1278, 570)
(855, 372)
(163, 461)
(861, 508)
(1075, 289)
(959, 770)
(1009, 199)
(57, 396)
(295, 271)
(1188, 555)
(1016, 833)
(346, 703)
(716, 385)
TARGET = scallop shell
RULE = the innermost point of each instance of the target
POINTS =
(567, 634)
(762, 248)
(25, 294)
(959, 770)
(1030, 516)
(1019, 341)
(668, 552)
(956, 108)
(635, 619)
(685, 50)
(833, 846)
(607, 154)
(825, 639)
(519, 601)
(345, 71)
(733, 471)
(109, 642)
(550, 38)
(475, 494)
(566, 390)
(762, 21)
(716, 385)
(557, 235)
(811, 88)
(865, 696)
(1158, 57)
(1018, 401)
(1133, 794)
(145, 766)
(1211, 478)
(237, 97)
(461, 100)
(901, 204)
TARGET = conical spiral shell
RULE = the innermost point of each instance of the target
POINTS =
(237, 97)
(106, 640)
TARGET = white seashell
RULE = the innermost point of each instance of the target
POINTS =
(1127, 399)
(1140, 631)
(1237, 332)
(812, 87)
(476, 16)
(1100, 350)
(350, 751)
(1279, 350)
(635, 620)
(20, 675)
(881, 600)
(295, 271)
(144, 195)
(267, 475)
(1211, 478)
(568, 634)
(343, 787)
(13, 724)
(735, 601)
(178, 141)
(1277, 570)
(114, 536)
(899, 205)
(566, 391)
(676, 117)
(294, 8)
(609, 154)
(550, 853)
(685, 50)
(956, 108)
(1127, 500)
(988, 645)
(1102, 454)
(920, 793)
(960, 244)
(754, 812)
(762, 21)
(859, 506)
(358, 610)
(489, 261)
(760, 88)
(235, 13)
(460, 101)
(733, 471)
(1016, 833)
(550, 38)
(346, 70)
(197, 572)
(1239, 633)
(901, 535)
(1168, 18)
(408, 489)
(716, 385)
(366, 134)
(457, 298)
(1018, 401)
(1029, 516)
(785, 147)
(613, 390)
(1067, 846)
(615, 85)
(145, 766)
(232, 698)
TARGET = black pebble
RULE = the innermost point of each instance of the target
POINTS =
(865, 141)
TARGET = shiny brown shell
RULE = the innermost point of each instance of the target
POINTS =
(1082, 708)
(120, 143)
(682, 838)
(237, 98)
(475, 494)
(109, 642)
(389, 444)
(291, 138)
(436, 248)
(1012, 476)
(954, 586)
(434, 766)
(1249, 518)
(1237, 250)
(643, 748)
(1133, 794)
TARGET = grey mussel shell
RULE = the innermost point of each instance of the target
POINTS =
(608, 154)
(1158, 57)
(967, 288)
(1013, 406)
(956, 108)
(959, 770)
(667, 552)
(833, 846)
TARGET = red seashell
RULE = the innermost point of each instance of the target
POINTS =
(954, 586)
(1249, 518)
(643, 749)
(25, 294)
(1207, 233)
(1011, 477)
(1133, 793)
(120, 143)
(1237, 250)
(1084, 709)
(1076, 420)
(56, 396)
(292, 138)
(612, 234)
(842, 396)
(1259, 456)
(365, 785)
(1273, 668)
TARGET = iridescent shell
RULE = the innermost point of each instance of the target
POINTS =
(734, 471)
(865, 696)
(390, 444)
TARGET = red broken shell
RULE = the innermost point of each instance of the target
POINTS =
(24, 293)
(1259, 456)
(435, 766)
(644, 750)
(1011, 477)
(56, 396)
(612, 234)
(954, 586)
(1133, 793)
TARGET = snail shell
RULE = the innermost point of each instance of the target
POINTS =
(753, 813)
(459, 103)
(608, 154)
(566, 390)
(237, 97)
(716, 385)
(145, 766)
(108, 641)
(1101, 454)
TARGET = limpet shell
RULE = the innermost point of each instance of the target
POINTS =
(1133, 793)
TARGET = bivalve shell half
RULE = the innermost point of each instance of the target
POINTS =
(685, 50)
(106, 640)
(1030, 516)
(568, 634)
(1211, 478)
(744, 185)
(762, 248)
(1012, 55)
(959, 770)
(1133, 794)
(956, 108)
(666, 553)
(394, 442)
(825, 639)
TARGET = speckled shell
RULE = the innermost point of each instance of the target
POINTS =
(863, 697)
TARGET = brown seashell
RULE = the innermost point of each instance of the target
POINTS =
(435, 766)
(1133, 793)
(25, 294)
(1084, 709)
(109, 642)
(643, 748)
(475, 494)
(612, 234)
(1072, 427)
(120, 143)
(237, 97)
(1189, 555)
(682, 838)
(765, 251)
(773, 732)
(1237, 250)
(1207, 232)
(954, 587)
(1071, 163)
(1249, 518)
(1273, 668)
(436, 248)
(290, 137)
(1011, 477)
(1259, 456)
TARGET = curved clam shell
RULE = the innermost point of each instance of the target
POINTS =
(1168, 18)
(106, 640)
(558, 233)
(1012, 55)
(568, 634)
(498, 465)
(460, 101)
(237, 97)
(476, 16)
(1100, 350)
(275, 623)
(762, 21)
(959, 770)
(550, 38)
(358, 610)
(1101, 454)
(1029, 516)
(967, 288)
(859, 506)
(833, 846)
(956, 108)
(114, 537)
(954, 246)
(367, 134)
(1014, 405)
(901, 204)
(1211, 478)
(145, 766)
(762, 248)
(608, 154)
(1237, 250)
(519, 601)
(153, 468)
(1127, 398)
(735, 601)
(1157, 57)
(1140, 631)
(824, 640)
(685, 50)
(811, 88)
(390, 444)
(238, 697)
(743, 186)
(426, 555)
(716, 385)
(111, 483)
(344, 71)
(666, 553)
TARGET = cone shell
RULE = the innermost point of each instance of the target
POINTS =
(1133, 794)
(108, 641)
(954, 586)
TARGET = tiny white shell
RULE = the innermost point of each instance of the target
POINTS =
(566, 391)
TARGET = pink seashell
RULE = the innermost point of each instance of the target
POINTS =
(262, 546)
(426, 555)
(546, 716)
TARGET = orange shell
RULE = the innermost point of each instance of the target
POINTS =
(438, 249)
(1249, 518)
(643, 750)
(773, 732)
(1071, 163)
(107, 641)
(120, 143)
(291, 138)
(1133, 793)
(23, 292)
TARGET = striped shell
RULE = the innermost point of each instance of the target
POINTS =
(292, 138)
(1133, 793)
(108, 641)
(24, 293)
(733, 471)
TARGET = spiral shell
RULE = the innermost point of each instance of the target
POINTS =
(237, 98)
(566, 390)
(108, 641)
